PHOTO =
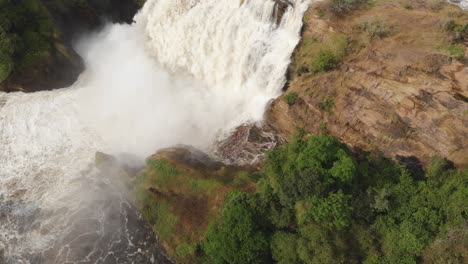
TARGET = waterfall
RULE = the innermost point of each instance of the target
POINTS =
(461, 3)
(185, 72)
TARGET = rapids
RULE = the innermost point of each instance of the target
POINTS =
(186, 72)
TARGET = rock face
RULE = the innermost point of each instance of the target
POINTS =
(401, 94)
(248, 144)
(179, 192)
(36, 39)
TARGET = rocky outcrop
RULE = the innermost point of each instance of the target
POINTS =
(179, 192)
(247, 144)
(402, 94)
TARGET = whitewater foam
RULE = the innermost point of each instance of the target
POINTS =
(186, 71)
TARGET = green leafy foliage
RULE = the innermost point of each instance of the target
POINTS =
(457, 51)
(307, 167)
(291, 98)
(237, 237)
(324, 61)
(375, 28)
(327, 105)
(26, 35)
(333, 211)
(316, 203)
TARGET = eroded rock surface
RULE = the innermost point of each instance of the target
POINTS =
(401, 94)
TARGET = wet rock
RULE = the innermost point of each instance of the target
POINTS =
(247, 144)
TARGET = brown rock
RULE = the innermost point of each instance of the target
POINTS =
(400, 95)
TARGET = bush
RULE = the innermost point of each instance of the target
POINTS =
(324, 61)
(375, 29)
(457, 51)
(333, 211)
(159, 214)
(319, 204)
(6, 52)
(26, 35)
(341, 7)
(237, 237)
(435, 5)
(291, 98)
(284, 246)
(327, 105)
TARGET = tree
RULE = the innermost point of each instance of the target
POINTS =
(284, 247)
(333, 211)
(308, 167)
(237, 237)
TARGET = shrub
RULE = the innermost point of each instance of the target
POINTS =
(163, 167)
(6, 67)
(165, 221)
(435, 5)
(375, 28)
(318, 204)
(325, 54)
(457, 51)
(291, 98)
(324, 61)
(333, 211)
(327, 105)
(407, 5)
(304, 168)
(283, 248)
(6, 52)
(341, 7)
(237, 237)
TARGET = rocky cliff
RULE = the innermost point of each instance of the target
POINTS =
(36, 39)
(395, 80)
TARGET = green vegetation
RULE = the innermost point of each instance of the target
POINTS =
(458, 34)
(290, 98)
(326, 55)
(456, 51)
(180, 198)
(375, 28)
(316, 203)
(408, 5)
(324, 61)
(435, 5)
(341, 7)
(454, 27)
(239, 238)
(27, 34)
(327, 105)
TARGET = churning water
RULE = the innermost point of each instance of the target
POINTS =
(184, 73)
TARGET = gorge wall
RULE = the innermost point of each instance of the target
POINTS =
(393, 89)
(37, 38)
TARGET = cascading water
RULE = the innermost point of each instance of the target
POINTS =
(461, 3)
(186, 71)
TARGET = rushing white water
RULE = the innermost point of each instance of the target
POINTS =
(186, 71)
(461, 3)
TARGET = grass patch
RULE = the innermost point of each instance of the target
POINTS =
(325, 60)
(456, 51)
(435, 5)
(342, 7)
(165, 171)
(203, 186)
(327, 105)
(326, 54)
(165, 221)
(290, 98)
(375, 28)
(408, 5)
